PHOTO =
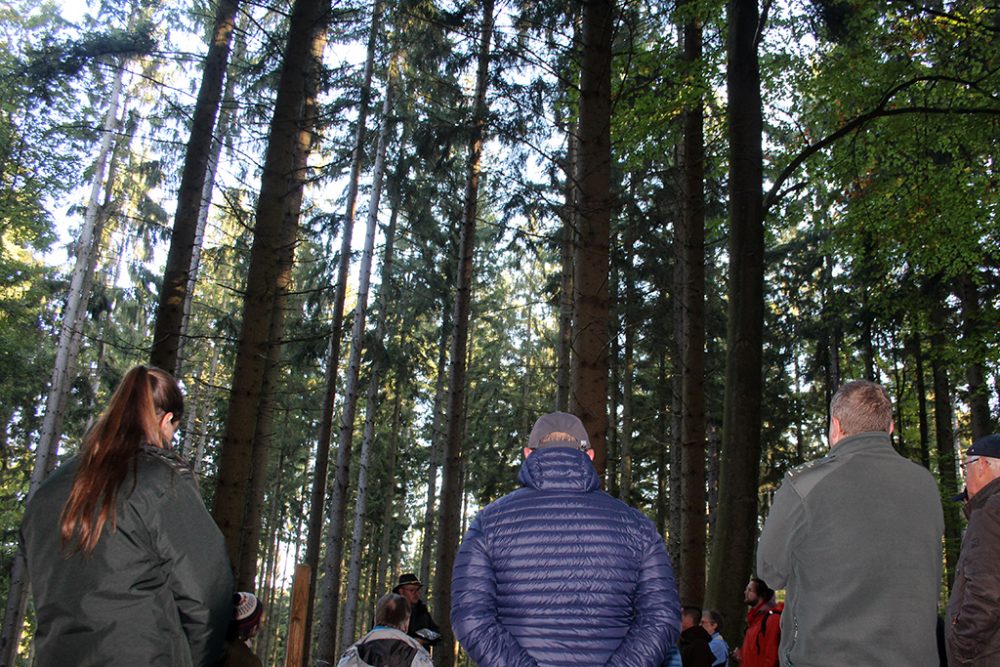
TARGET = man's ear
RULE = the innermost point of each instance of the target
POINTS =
(590, 453)
(527, 452)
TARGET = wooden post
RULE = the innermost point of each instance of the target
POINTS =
(295, 649)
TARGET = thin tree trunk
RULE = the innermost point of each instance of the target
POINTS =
(612, 458)
(628, 370)
(63, 372)
(980, 423)
(659, 395)
(222, 131)
(451, 485)
(567, 242)
(427, 555)
(354, 368)
(676, 418)
(289, 144)
(202, 433)
(945, 437)
(916, 349)
(741, 433)
(388, 521)
(170, 313)
(327, 635)
(691, 244)
(589, 400)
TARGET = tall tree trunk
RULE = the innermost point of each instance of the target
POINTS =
(427, 554)
(676, 417)
(612, 457)
(916, 349)
(736, 525)
(354, 368)
(390, 487)
(945, 437)
(64, 370)
(691, 264)
(567, 240)
(289, 143)
(327, 636)
(170, 312)
(589, 400)
(662, 443)
(451, 483)
(222, 131)
(974, 343)
(628, 365)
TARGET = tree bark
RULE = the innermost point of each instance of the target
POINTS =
(451, 484)
(354, 367)
(691, 264)
(427, 553)
(327, 636)
(170, 312)
(589, 399)
(974, 343)
(567, 241)
(945, 439)
(736, 525)
(916, 349)
(283, 179)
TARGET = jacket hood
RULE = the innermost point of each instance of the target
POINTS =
(559, 469)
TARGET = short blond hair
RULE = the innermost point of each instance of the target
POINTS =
(862, 406)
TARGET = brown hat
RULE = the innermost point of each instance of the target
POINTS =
(408, 579)
(559, 422)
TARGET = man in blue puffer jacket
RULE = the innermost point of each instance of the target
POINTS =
(559, 573)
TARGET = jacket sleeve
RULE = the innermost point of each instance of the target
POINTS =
(975, 618)
(474, 607)
(199, 575)
(775, 546)
(656, 624)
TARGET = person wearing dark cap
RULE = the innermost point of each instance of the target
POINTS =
(972, 628)
(247, 613)
(854, 538)
(422, 625)
(559, 572)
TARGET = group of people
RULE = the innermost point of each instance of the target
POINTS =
(403, 631)
(558, 573)
(128, 568)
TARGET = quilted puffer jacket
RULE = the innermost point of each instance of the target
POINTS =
(559, 573)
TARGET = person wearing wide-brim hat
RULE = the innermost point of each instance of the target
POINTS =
(422, 625)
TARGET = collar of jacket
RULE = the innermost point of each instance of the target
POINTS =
(559, 469)
(977, 501)
(854, 443)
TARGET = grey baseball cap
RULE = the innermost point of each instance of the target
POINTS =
(559, 422)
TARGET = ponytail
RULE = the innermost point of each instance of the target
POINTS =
(131, 419)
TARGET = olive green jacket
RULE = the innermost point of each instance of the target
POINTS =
(155, 591)
(855, 540)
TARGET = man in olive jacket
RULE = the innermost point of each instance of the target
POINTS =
(855, 539)
(973, 628)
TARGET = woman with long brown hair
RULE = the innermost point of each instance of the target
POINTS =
(126, 565)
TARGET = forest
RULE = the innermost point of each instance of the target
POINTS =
(376, 239)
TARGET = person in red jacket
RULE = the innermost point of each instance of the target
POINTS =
(760, 643)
